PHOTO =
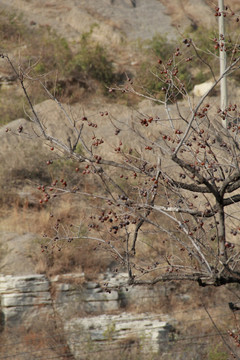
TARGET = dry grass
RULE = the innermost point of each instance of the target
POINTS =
(60, 256)
(23, 220)
(186, 11)
(45, 339)
(73, 259)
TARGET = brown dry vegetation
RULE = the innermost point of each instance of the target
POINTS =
(26, 213)
(23, 213)
(70, 71)
(189, 12)
(45, 339)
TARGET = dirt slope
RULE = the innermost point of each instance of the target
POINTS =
(115, 21)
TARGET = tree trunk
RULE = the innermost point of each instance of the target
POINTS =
(222, 234)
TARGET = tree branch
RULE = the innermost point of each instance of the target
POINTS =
(212, 188)
(231, 200)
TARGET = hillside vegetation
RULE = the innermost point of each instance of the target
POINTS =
(79, 69)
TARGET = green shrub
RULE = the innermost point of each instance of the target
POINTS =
(40, 68)
(92, 60)
(162, 47)
(52, 53)
(149, 75)
(48, 55)
(12, 29)
(189, 73)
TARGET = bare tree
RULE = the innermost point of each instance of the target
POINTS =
(168, 194)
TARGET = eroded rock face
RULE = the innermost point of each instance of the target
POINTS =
(144, 331)
(72, 298)
(86, 310)
(23, 298)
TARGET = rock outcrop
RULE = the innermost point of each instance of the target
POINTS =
(104, 332)
(23, 298)
(72, 296)
(85, 309)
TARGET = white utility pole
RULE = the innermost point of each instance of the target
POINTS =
(223, 61)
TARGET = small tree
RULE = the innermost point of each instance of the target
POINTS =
(167, 203)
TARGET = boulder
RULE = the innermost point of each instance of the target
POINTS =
(201, 89)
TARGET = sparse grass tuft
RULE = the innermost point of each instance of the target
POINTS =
(217, 353)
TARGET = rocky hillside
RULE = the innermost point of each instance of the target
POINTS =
(66, 315)
(48, 298)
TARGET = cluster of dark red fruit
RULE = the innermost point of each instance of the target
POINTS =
(104, 113)
(146, 122)
(187, 42)
(48, 189)
(229, 245)
(84, 118)
(98, 159)
(46, 194)
(235, 335)
(97, 142)
(224, 13)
